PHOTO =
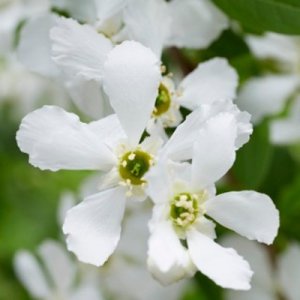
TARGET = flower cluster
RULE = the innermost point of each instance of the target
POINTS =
(141, 142)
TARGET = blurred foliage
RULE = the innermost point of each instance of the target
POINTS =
(280, 16)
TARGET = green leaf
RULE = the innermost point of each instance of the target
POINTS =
(282, 16)
(253, 160)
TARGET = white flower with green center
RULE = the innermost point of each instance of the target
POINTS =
(54, 275)
(211, 82)
(182, 237)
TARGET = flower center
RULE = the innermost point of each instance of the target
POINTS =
(184, 209)
(163, 101)
(134, 165)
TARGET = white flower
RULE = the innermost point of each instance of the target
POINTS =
(56, 278)
(211, 82)
(185, 194)
(269, 281)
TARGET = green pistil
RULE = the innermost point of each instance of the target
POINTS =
(134, 165)
(163, 101)
(184, 209)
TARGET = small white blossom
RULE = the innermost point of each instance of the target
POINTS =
(184, 195)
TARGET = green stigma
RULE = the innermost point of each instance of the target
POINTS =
(134, 165)
(184, 209)
(163, 101)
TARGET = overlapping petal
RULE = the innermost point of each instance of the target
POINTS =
(55, 139)
(214, 150)
(223, 265)
(79, 49)
(94, 226)
(213, 80)
(148, 22)
(168, 260)
(249, 213)
(131, 80)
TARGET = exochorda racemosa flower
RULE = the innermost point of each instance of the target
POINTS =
(55, 139)
(182, 237)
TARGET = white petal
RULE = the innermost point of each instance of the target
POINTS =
(214, 80)
(249, 213)
(34, 49)
(257, 255)
(94, 226)
(66, 202)
(264, 96)
(180, 144)
(131, 80)
(168, 260)
(31, 275)
(55, 139)
(158, 183)
(214, 150)
(79, 49)
(108, 8)
(205, 226)
(280, 47)
(109, 129)
(285, 132)
(148, 21)
(289, 272)
(58, 263)
(195, 23)
(223, 265)
(89, 97)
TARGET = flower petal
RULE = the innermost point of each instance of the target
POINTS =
(79, 49)
(168, 260)
(89, 97)
(148, 22)
(58, 263)
(195, 24)
(31, 275)
(131, 80)
(214, 150)
(257, 255)
(249, 213)
(108, 8)
(94, 226)
(265, 96)
(55, 139)
(38, 58)
(223, 265)
(289, 270)
(285, 132)
(214, 80)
